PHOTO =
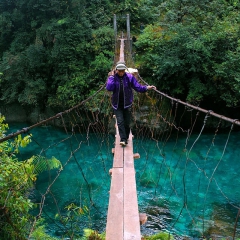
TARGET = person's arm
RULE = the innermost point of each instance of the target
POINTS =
(110, 83)
(138, 87)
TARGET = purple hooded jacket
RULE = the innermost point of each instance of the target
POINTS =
(129, 83)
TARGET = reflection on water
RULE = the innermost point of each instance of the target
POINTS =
(188, 190)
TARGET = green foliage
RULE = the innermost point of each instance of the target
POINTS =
(16, 178)
(3, 126)
(193, 51)
(39, 232)
(22, 142)
(190, 48)
(90, 234)
(42, 164)
(11, 147)
(160, 236)
(16, 181)
(73, 45)
(24, 76)
(73, 42)
(71, 219)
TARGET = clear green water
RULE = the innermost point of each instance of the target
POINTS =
(187, 193)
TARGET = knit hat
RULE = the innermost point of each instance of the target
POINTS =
(121, 66)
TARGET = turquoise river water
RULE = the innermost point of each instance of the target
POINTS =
(189, 188)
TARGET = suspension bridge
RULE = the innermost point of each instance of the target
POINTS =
(168, 166)
(123, 220)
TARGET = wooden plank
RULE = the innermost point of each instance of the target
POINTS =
(123, 221)
(130, 210)
(121, 58)
(118, 153)
(114, 229)
(136, 155)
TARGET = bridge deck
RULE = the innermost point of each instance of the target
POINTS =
(123, 217)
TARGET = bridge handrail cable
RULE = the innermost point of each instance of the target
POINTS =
(26, 129)
(210, 112)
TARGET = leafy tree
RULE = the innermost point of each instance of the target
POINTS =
(17, 180)
(73, 42)
(60, 34)
(24, 78)
(188, 49)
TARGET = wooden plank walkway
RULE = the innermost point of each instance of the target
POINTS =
(121, 57)
(123, 217)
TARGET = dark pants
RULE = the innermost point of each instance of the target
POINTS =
(123, 120)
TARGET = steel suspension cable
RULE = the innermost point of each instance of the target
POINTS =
(210, 112)
(58, 115)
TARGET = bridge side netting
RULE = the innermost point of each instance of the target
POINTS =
(187, 175)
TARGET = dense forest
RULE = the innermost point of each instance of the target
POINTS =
(56, 53)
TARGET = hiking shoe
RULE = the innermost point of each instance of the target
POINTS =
(122, 143)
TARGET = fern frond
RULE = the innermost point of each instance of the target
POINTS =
(42, 164)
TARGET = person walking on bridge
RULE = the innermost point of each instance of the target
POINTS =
(121, 84)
